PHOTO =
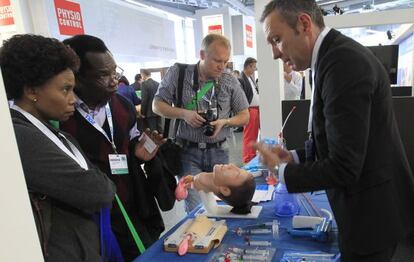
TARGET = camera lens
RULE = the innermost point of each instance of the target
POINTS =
(208, 130)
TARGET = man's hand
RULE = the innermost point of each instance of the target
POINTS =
(272, 157)
(187, 180)
(218, 125)
(138, 110)
(181, 191)
(193, 119)
(140, 150)
(283, 154)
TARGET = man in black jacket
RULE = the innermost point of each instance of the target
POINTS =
(104, 123)
(251, 130)
(148, 89)
(355, 152)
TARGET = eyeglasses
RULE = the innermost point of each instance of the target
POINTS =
(109, 76)
(119, 72)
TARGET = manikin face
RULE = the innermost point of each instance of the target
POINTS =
(292, 45)
(214, 59)
(229, 175)
(55, 98)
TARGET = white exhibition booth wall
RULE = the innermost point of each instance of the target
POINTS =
(18, 235)
(133, 32)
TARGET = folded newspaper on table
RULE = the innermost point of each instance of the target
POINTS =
(206, 234)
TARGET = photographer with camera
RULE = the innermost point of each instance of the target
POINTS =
(209, 96)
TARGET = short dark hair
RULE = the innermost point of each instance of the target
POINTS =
(290, 9)
(31, 60)
(249, 61)
(124, 80)
(241, 196)
(138, 77)
(83, 44)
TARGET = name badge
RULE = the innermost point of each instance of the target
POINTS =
(149, 145)
(118, 164)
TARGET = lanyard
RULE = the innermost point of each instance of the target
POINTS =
(211, 95)
(200, 94)
(76, 155)
(92, 121)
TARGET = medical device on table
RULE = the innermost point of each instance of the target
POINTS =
(314, 227)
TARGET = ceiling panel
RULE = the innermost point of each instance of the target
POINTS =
(247, 6)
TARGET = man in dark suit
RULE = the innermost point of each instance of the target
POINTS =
(356, 153)
(148, 89)
(251, 129)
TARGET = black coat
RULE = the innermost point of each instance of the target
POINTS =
(66, 229)
(246, 86)
(148, 89)
(137, 190)
(360, 157)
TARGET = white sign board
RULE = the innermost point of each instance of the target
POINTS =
(18, 235)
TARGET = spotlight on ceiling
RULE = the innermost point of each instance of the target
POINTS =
(390, 34)
(337, 10)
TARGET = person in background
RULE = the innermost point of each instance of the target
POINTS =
(38, 73)
(128, 92)
(138, 81)
(236, 73)
(251, 130)
(209, 97)
(355, 151)
(105, 125)
(292, 83)
(148, 89)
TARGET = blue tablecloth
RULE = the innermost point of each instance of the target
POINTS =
(284, 243)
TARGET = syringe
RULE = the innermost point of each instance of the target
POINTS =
(259, 230)
(236, 257)
(261, 243)
(262, 252)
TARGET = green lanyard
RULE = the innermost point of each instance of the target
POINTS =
(199, 95)
(131, 227)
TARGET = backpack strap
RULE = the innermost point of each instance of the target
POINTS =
(179, 99)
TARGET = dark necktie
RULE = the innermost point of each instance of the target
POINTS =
(310, 79)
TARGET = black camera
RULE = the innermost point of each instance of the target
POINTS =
(209, 115)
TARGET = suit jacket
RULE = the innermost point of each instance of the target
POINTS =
(246, 86)
(360, 157)
(137, 191)
(71, 233)
(148, 89)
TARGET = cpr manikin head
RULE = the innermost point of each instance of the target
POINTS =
(235, 186)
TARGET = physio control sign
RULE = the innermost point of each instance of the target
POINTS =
(69, 17)
(249, 36)
(6, 13)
